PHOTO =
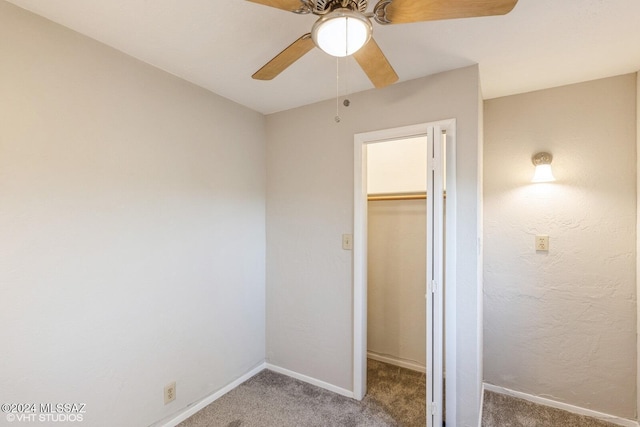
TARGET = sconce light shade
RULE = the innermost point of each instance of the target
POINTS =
(542, 162)
(341, 32)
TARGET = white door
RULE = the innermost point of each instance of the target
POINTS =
(435, 273)
(435, 290)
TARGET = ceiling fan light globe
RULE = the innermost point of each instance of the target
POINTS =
(341, 32)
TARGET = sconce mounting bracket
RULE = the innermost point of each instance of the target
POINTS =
(542, 159)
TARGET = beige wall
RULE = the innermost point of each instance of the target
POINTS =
(562, 324)
(397, 166)
(310, 169)
(396, 253)
(396, 281)
(637, 241)
(132, 223)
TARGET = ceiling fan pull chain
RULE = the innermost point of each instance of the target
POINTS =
(337, 118)
(347, 73)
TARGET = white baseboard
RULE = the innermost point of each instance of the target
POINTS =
(560, 405)
(195, 407)
(310, 380)
(396, 361)
(481, 404)
(176, 419)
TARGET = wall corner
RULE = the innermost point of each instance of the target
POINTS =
(637, 245)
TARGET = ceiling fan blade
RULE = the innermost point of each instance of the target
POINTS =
(375, 65)
(405, 11)
(290, 5)
(284, 59)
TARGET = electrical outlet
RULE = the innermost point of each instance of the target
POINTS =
(170, 392)
(542, 242)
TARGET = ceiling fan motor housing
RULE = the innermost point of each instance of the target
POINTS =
(322, 7)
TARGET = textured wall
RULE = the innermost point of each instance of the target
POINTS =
(396, 280)
(310, 204)
(562, 324)
(132, 223)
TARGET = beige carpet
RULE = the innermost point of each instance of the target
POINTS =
(506, 411)
(396, 397)
(402, 393)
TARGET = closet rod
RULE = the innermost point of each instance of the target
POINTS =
(398, 196)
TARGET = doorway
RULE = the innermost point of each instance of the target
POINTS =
(441, 171)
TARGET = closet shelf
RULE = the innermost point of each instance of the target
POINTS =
(398, 196)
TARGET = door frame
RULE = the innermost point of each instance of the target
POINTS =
(360, 256)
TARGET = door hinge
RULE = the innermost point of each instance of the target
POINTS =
(434, 408)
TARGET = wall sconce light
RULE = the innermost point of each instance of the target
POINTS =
(542, 162)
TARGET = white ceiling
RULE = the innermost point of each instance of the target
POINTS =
(218, 44)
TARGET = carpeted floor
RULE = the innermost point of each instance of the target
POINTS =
(400, 392)
(506, 411)
(396, 397)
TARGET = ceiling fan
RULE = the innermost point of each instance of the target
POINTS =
(344, 28)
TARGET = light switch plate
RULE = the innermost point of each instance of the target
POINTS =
(347, 242)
